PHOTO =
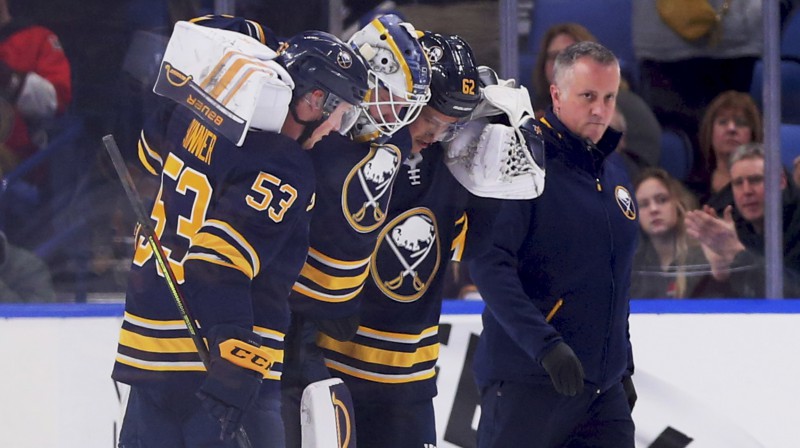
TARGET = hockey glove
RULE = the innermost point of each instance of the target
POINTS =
(342, 329)
(565, 370)
(238, 365)
(630, 390)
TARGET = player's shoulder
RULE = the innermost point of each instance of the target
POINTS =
(281, 154)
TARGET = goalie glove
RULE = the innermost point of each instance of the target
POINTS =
(496, 160)
(238, 365)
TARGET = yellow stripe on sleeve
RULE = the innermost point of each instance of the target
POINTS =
(379, 356)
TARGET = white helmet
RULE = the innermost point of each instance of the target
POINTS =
(396, 62)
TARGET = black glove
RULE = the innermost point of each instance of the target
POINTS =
(630, 390)
(233, 379)
(565, 370)
(342, 329)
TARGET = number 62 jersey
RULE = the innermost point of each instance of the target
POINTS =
(226, 215)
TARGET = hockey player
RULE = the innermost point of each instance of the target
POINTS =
(354, 185)
(227, 214)
(389, 365)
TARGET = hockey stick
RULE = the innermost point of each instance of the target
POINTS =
(146, 229)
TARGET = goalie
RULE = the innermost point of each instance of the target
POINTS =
(389, 365)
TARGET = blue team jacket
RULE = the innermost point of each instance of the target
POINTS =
(574, 243)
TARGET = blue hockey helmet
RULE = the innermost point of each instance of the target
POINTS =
(454, 75)
(241, 25)
(320, 60)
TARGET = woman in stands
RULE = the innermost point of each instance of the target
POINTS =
(668, 264)
(731, 120)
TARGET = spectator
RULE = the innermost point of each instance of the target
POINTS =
(642, 146)
(35, 86)
(668, 264)
(734, 243)
(555, 39)
(679, 78)
(732, 119)
(23, 276)
(34, 81)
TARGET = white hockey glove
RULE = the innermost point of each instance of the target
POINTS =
(229, 80)
(496, 160)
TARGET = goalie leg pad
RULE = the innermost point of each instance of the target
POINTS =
(326, 415)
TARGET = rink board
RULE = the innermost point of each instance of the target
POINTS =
(722, 373)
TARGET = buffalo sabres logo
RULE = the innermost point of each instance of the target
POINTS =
(625, 202)
(435, 54)
(368, 188)
(384, 61)
(407, 255)
(344, 59)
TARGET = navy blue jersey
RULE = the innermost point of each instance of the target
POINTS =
(354, 186)
(393, 355)
(226, 217)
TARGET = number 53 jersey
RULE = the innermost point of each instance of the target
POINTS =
(226, 216)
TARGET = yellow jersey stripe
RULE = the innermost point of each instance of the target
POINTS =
(460, 241)
(403, 338)
(156, 345)
(221, 246)
(154, 324)
(322, 297)
(334, 263)
(328, 281)
(161, 366)
(238, 238)
(380, 377)
(379, 356)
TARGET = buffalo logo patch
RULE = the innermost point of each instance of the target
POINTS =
(625, 202)
(407, 255)
(368, 188)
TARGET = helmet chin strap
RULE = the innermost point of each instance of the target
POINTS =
(309, 126)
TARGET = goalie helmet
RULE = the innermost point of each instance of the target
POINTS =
(396, 62)
(455, 87)
(319, 60)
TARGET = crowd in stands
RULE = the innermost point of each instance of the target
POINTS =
(701, 231)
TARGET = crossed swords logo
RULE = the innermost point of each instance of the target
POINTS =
(409, 267)
(374, 194)
(372, 199)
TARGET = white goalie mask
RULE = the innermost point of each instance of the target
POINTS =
(496, 160)
(399, 77)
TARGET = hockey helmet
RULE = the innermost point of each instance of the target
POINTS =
(241, 25)
(454, 75)
(397, 63)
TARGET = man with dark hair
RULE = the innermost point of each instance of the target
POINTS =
(555, 345)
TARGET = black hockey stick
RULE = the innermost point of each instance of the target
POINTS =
(146, 229)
